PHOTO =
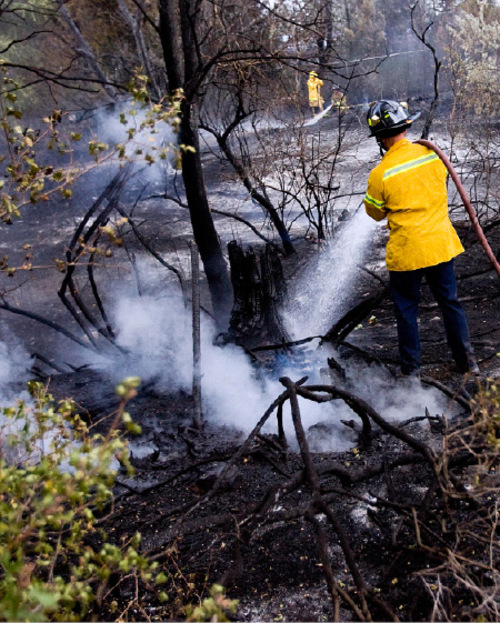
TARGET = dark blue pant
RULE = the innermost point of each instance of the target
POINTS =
(405, 291)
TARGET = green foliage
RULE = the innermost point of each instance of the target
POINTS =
(144, 120)
(474, 38)
(25, 181)
(55, 562)
(213, 608)
(487, 422)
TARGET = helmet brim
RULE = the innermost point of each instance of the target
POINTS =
(402, 127)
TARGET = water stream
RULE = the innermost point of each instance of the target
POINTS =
(322, 292)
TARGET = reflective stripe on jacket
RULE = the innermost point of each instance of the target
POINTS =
(339, 100)
(409, 188)
(314, 85)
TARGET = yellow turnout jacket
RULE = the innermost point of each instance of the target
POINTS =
(409, 188)
(314, 85)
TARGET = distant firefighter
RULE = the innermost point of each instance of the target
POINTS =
(339, 102)
(314, 85)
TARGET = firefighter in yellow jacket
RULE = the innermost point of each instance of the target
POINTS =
(339, 102)
(314, 84)
(408, 188)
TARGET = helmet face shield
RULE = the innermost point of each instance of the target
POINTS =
(387, 118)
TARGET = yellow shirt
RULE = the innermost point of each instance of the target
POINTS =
(409, 188)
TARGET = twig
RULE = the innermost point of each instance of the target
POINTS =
(359, 406)
(428, 380)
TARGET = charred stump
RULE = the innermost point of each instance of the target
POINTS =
(259, 289)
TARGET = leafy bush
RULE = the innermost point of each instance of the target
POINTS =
(213, 608)
(55, 477)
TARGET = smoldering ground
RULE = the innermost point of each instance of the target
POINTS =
(154, 336)
(153, 331)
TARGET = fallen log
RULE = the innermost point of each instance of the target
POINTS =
(354, 317)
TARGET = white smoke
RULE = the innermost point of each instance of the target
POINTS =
(15, 364)
(395, 400)
(157, 335)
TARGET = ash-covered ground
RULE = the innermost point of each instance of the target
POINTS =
(234, 503)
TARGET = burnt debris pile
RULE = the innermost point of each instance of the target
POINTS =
(400, 527)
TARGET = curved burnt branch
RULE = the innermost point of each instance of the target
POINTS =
(359, 406)
(97, 296)
(69, 283)
(417, 445)
(353, 317)
(77, 248)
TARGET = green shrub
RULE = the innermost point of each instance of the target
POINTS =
(55, 477)
(213, 608)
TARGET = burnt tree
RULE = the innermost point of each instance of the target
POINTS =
(178, 31)
(259, 289)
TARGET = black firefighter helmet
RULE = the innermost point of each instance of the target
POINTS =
(387, 118)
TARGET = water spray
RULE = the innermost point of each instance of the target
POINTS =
(465, 198)
(318, 298)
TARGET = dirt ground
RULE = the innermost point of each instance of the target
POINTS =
(249, 531)
(220, 505)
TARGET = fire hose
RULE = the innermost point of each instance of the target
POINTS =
(466, 201)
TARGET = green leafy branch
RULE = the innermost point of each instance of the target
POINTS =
(26, 181)
(55, 477)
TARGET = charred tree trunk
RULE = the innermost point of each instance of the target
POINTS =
(422, 36)
(204, 231)
(178, 33)
(259, 290)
